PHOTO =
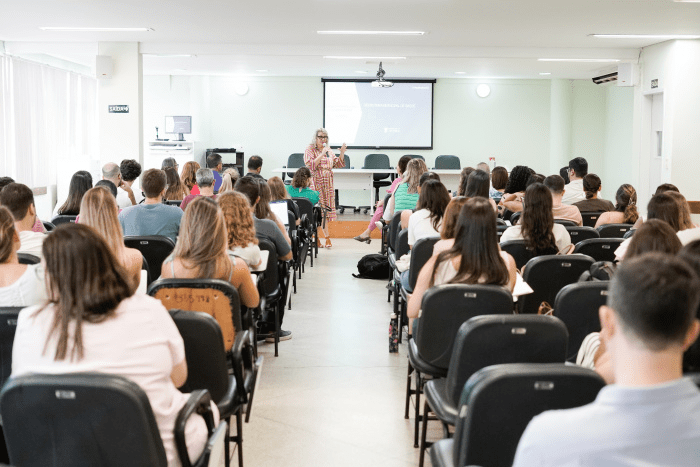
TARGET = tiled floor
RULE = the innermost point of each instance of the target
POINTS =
(335, 395)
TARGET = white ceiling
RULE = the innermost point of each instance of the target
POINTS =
(488, 38)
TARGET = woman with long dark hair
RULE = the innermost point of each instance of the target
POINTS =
(473, 259)
(625, 211)
(512, 198)
(427, 219)
(537, 226)
(478, 184)
(80, 183)
(175, 190)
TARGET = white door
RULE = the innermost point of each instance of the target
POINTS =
(656, 143)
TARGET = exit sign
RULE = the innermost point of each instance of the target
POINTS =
(119, 109)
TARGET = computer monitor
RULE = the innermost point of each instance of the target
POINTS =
(179, 126)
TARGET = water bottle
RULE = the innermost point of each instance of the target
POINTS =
(394, 334)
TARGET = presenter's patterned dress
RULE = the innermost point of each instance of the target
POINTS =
(322, 177)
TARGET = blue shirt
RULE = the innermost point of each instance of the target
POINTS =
(151, 219)
(624, 426)
(217, 180)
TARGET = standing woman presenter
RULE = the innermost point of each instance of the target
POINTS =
(321, 161)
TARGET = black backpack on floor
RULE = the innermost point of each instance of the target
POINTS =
(373, 267)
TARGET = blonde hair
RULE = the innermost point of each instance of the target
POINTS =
(201, 244)
(189, 172)
(239, 219)
(277, 189)
(7, 233)
(233, 173)
(415, 168)
(320, 130)
(226, 184)
(99, 210)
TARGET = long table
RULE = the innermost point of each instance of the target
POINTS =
(363, 179)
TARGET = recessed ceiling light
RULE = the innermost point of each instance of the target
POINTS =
(261, 71)
(687, 1)
(647, 36)
(360, 71)
(460, 72)
(584, 60)
(71, 29)
(374, 33)
(544, 74)
(345, 57)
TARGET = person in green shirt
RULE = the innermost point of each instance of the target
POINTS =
(300, 185)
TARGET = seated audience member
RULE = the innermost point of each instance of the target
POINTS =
(690, 253)
(449, 225)
(169, 163)
(226, 183)
(537, 226)
(561, 211)
(175, 190)
(205, 182)
(591, 188)
(19, 199)
(427, 220)
(189, 178)
(463, 179)
(255, 166)
(265, 229)
(664, 187)
(651, 414)
(152, 217)
(240, 226)
(300, 186)
(99, 210)
(406, 194)
(407, 213)
(109, 186)
(93, 323)
(653, 235)
(80, 183)
(20, 284)
(499, 180)
(625, 211)
(685, 222)
(485, 167)
(38, 225)
(478, 185)
(131, 170)
(125, 196)
(215, 163)
(512, 198)
(233, 172)
(278, 192)
(263, 210)
(201, 252)
(564, 172)
(578, 168)
(473, 259)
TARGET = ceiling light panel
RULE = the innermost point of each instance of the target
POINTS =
(374, 33)
(346, 57)
(581, 60)
(72, 29)
(647, 36)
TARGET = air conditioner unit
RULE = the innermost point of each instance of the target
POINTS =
(603, 79)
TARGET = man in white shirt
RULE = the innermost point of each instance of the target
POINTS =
(19, 199)
(650, 415)
(125, 197)
(578, 168)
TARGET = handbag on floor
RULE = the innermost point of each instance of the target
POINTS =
(373, 266)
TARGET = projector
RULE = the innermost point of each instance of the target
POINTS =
(382, 84)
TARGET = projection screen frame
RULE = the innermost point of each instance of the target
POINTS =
(366, 80)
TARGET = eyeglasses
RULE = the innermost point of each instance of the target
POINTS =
(321, 137)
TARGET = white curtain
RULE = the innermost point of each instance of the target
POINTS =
(48, 119)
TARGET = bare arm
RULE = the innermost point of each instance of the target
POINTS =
(243, 282)
(422, 284)
(179, 374)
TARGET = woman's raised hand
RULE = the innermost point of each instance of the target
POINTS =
(343, 148)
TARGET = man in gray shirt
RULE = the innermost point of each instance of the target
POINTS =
(650, 415)
(152, 217)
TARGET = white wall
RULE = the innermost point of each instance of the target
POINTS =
(619, 162)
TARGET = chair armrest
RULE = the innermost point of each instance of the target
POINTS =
(199, 402)
(242, 339)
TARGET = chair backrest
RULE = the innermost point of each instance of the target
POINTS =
(613, 230)
(270, 281)
(346, 160)
(500, 228)
(8, 326)
(503, 399)
(629, 233)
(48, 226)
(577, 306)
(590, 218)
(519, 251)
(79, 420)
(63, 219)
(173, 202)
(294, 161)
(579, 234)
(565, 222)
(420, 254)
(402, 243)
(155, 248)
(515, 217)
(447, 162)
(491, 340)
(28, 258)
(394, 229)
(547, 275)
(214, 297)
(446, 307)
(377, 161)
(600, 249)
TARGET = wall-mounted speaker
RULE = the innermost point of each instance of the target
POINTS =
(103, 67)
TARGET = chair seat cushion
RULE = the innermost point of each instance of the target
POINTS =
(441, 453)
(229, 404)
(392, 260)
(421, 365)
(439, 400)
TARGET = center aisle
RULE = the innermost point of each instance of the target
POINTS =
(335, 395)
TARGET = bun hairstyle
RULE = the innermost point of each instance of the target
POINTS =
(7, 233)
(626, 202)
(591, 185)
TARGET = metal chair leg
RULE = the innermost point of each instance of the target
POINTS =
(239, 427)
(227, 447)
(426, 409)
(408, 389)
(419, 389)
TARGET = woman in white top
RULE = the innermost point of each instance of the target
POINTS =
(93, 323)
(20, 284)
(427, 220)
(473, 259)
(537, 225)
(240, 227)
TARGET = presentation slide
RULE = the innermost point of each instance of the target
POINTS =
(362, 116)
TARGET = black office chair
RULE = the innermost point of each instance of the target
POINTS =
(445, 308)
(515, 217)
(600, 249)
(173, 202)
(274, 287)
(629, 233)
(393, 233)
(490, 340)
(309, 224)
(565, 222)
(63, 219)
(8, 327)
(155, 248)
(498, 402)
(590, 218)
(500, 228)
(294, 161)
(27, 258)
(547, 275)
(89, 419)
(447, 162)
(378, 161)
(401, 249)
(415, 156)
(577, 306)
(579, 234)
(144, 267)
(207, 369)
(519, 251)
(613, 230)
(48, 226)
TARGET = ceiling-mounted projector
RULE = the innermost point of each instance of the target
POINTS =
(381, 82)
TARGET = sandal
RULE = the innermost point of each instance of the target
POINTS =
(367, 240)
(328, 243)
